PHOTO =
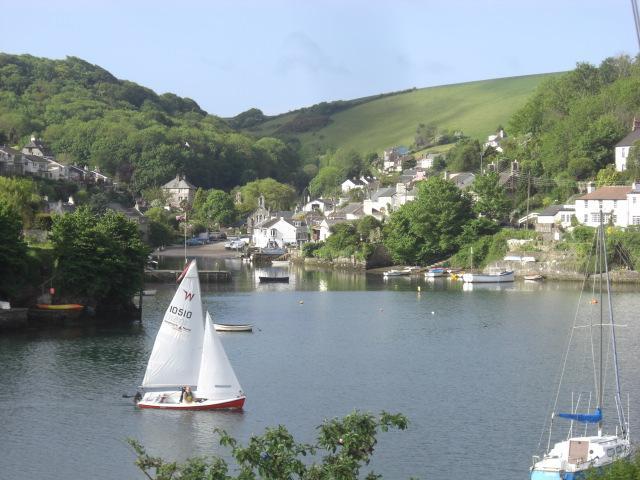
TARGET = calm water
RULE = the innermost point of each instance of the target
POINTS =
(473, 370)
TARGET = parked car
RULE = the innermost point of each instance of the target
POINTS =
(193, 242)
(214, 236)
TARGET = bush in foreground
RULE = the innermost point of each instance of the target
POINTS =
(342, 448)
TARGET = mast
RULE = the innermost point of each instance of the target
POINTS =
(599, 255)
(618, 399)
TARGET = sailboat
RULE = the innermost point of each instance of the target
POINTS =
(188, 368)
(596, 448)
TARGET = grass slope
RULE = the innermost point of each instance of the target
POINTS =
(476, 108)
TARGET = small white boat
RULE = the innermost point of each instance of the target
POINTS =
(279, 263)
(533, 278)
(233, 327)
(397, 273)
(188, 368)
(149, 293)
(501, 277)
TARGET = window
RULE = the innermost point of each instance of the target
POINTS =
(619, 449)
(633, 199)
(273, 232)
(600, 204)
(595, 217)
(615, 204)
(635, 220)
(586, 218)
(610, 452)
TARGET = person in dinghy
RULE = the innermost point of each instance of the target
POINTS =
(188, 368)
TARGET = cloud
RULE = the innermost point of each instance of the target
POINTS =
(300, 52)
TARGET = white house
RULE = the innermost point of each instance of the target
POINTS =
(554, 216)
(350, 184)
(495, 141)
(427, 161)
(320, 205)
(392, 158)
(381, 203)
(619, 205)
(624, 146)
(281, 231)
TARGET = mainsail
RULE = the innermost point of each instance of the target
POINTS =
(176, 354)
(216, 380)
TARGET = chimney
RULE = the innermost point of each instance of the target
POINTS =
(591, 187)
(446, 175)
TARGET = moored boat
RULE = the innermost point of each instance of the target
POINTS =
(533, 278)
(233, 327)
(435, 272)
(506, 276)
(60, 307)
(188, 368)
(273, 279)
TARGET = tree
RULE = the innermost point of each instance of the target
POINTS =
(277, 196)
(491, 199)
(427, 229)
(464, 156)
(99, 258)
(13, 250)
(608, 176)
(326, 182)
(342, 448)
(217, 209)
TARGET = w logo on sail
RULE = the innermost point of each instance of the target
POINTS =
(188, 295)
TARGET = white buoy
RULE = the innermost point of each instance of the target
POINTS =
(418, 287)
(301, 302)
(433, 313)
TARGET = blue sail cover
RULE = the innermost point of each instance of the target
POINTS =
(594, 417)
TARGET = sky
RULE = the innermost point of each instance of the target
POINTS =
(280, 55)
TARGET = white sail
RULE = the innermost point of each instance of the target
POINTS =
(175, 358)
(217, 380)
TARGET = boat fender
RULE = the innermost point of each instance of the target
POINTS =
(188, 397)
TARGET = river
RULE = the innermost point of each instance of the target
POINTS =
(474, 370)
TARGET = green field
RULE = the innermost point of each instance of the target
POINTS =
(476, 108)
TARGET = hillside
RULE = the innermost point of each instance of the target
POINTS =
(375, 123)
(87, 116)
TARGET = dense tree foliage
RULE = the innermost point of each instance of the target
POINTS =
(99, 258)
(217, 209)
(428, 228)
(342, 448)
(21, 195)
(464, 156)
(573, 121)
(277, 196)
(89, 117)
(13, 250)
(350, 238)
(490, 198)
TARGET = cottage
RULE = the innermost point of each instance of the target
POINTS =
(427, 160)
(179, 190)
(623, 147)
(350, 211)
(495, 141)
(381, 203)
(321, 205)
(36, 147)
(461, 180)
(555, 216)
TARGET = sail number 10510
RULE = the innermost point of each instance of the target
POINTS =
(181, 312)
